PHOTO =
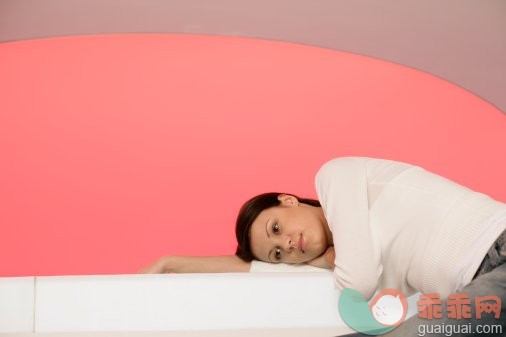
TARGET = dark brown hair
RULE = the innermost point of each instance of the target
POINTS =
(249, 212)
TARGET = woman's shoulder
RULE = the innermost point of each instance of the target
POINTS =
(344, 162)
(351, 162)
(367, 167)
(344, 172)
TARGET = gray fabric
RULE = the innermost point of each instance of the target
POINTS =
(495, 256)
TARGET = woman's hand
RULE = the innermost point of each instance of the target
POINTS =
(160, 266)
(326, 260)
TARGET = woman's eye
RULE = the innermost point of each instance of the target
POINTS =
(277, 254)
(275, 228)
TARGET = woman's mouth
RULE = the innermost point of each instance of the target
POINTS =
(301, 243)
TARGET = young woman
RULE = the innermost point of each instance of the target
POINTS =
(377, 224)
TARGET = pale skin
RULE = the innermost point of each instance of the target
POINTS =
(292, 232)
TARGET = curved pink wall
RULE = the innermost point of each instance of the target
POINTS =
(118, 149)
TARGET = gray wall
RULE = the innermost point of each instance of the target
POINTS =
(462, 41)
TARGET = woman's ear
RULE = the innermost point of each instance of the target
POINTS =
(288, 200)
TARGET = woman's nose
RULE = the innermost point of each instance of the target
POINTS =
(289, 243)
(286, 243)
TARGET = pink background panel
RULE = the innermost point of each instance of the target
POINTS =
(117, 149)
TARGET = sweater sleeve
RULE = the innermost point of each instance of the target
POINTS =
(341, 185)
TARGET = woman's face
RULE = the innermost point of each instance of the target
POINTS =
(290, 233)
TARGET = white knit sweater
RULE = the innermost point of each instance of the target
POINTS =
(396, 225)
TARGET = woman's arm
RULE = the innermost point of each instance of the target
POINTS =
(197, 264)
(342, 189)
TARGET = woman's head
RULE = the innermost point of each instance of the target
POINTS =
(278, 227)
